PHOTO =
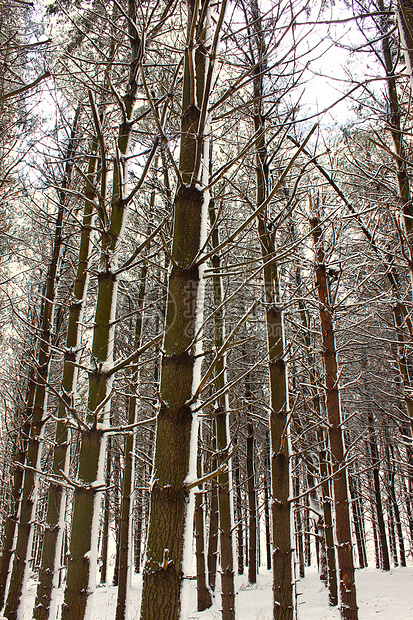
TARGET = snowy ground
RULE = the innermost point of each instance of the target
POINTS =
(381, 596)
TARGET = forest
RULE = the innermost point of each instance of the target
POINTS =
(206, 317)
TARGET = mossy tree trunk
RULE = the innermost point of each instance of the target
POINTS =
(171, 512)
(81, 573)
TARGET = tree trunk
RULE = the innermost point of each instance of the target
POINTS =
(252, 500)
(267, 504)
(358, 519)
(393, 500)
(45, 604)
(170, 537)
(125, 526)
(213, 532)
(104, 555)
(15, 599)
(283, 607)
(204, 597)
(238, 513)
(13, 516)
(328, 519)
(377, 557)
(375, 458)
(221, 414)
(80, 582)
(348, 608)
(299, 530)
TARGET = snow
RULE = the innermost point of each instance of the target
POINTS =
(381, 596)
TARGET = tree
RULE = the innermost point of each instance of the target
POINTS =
(19, 575)
(348, 607)
(171, 519)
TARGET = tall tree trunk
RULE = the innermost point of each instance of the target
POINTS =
(252, 500)
(238, 513)
(45, 604)
(377, 556)
(15, 599)
(375, 458)
(299, 529)
(358, 519)
(13, 516)
(125, 526)
(213, 532)
(348, 600)
(391, 488)
(104, 555)
(81, 573)
(283, 607)
(327, 536)
(328, 518)
(204, 597)
(221, 415)
(267, 503)
(169, 544)
(392, 532)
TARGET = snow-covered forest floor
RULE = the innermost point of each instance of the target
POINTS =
(381, 596)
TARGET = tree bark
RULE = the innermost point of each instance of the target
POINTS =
(15, 599)
(171, 513)
(80, 582)
(225, 506)
(45, 604)
(128, 472)
(204, 598)
(348, 599)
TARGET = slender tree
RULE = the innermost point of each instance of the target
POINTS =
(80, 582)
(15, 599)
(347, 586)
(171, 512)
